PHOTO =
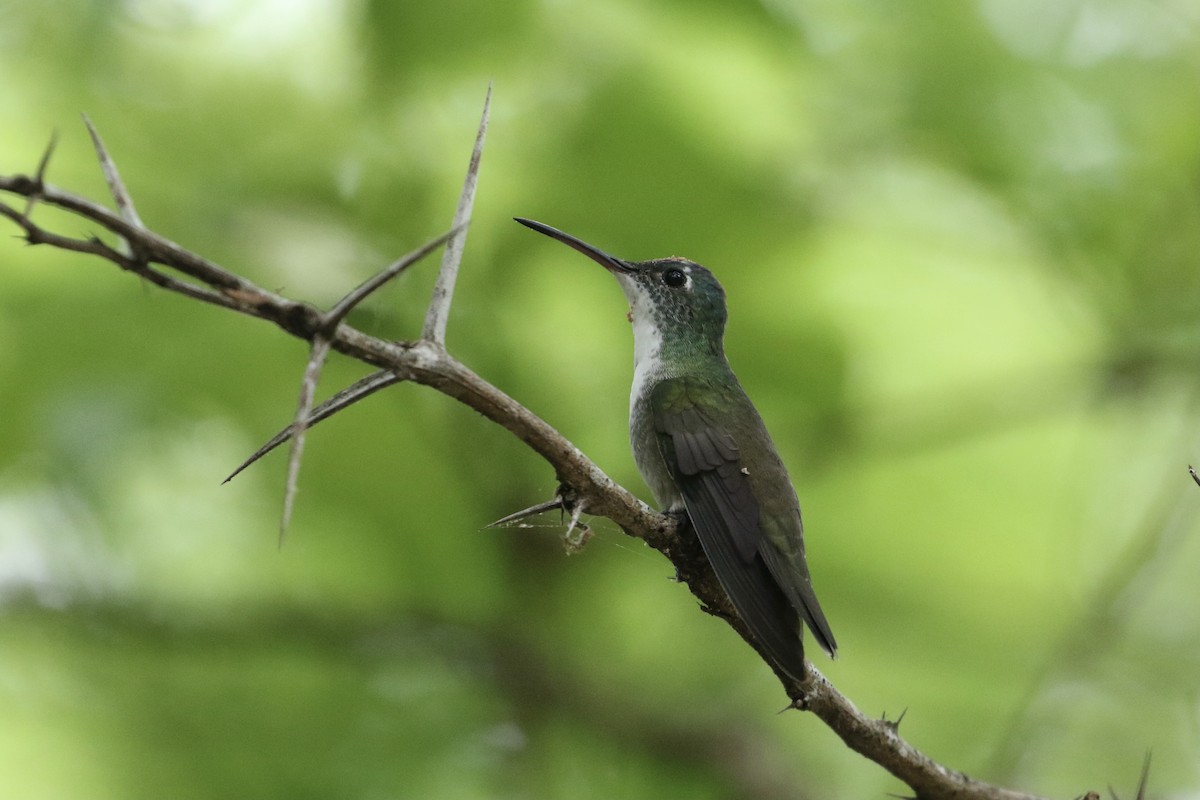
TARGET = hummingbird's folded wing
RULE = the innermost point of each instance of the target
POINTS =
(703, 458)
(791, 573)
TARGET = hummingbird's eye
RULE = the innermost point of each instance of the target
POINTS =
(674, 278)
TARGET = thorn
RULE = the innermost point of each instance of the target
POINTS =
(39, 177)
(532, 511)
(1144, 781)
(795, 705)
(893, 725)
(347, 397)
(438, 312)
(1192, 472)
(113, 178)
(308, 386)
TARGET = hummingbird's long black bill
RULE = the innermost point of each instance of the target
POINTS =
(602, 258)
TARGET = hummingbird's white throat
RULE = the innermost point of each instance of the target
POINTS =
(647, 340)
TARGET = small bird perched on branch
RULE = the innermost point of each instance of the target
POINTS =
(702, 448)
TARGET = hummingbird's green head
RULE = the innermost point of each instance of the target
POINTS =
(673, 302)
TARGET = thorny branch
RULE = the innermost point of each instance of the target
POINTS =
(426, 361)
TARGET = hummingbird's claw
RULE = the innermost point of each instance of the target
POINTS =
(680, 515)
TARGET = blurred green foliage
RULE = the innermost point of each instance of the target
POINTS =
(960, 244)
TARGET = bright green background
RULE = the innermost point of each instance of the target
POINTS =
(960, 242)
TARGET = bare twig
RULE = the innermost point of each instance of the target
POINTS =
(36, 235)
(443, 291)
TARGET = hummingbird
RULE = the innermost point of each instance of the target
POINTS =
(703, 449)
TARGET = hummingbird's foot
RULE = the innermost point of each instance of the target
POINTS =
(680, 516)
